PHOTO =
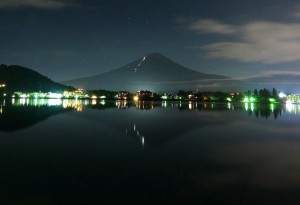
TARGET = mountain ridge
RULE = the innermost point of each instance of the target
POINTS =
(143, 73)
(19, 78)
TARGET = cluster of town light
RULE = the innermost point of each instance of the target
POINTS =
(38, 95)
(81, 94)
(78, 94)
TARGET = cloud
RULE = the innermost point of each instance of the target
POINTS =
(44, 4)
(211, 26)
(260, 41)
(272, 74)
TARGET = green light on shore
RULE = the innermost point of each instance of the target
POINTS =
(272, 100)
(229, 99)
(164, 97)
(249, 99)
(272, 107)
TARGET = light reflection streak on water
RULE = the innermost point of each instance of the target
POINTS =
(35, 102)
(289, 107)
(246, 106)
(137, 134)
(252, 107)
(54, 102)
(229, 106)
(272, 107)
(74, 104)
(120, 104)
(293, 108)
(190, 105)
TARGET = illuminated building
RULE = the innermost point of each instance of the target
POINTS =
(233, 93)
(293, 98)
(145, 95)
(122, 95)
(79, 93)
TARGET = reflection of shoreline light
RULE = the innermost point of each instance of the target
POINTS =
(74, 104)
(65, 103)
(252, 107)
(193, 105)
(35, 102)
(229, 106)
(142, 105)
(292, 108)
(272, 107)
(121, 104)
(140, 137)
(289, 107)
(22, 101)
(78, 104)
(190, 105)
(246, 106)
(54, 102)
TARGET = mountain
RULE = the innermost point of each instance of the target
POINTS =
(23, 79)
(152, 72)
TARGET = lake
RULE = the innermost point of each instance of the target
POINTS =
(116, 152)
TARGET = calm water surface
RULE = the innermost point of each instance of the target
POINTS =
(100, 152)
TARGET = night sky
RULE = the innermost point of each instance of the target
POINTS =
(67, 39)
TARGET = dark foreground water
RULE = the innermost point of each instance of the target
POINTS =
(97, 152)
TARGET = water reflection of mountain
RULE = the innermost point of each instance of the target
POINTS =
(163, 122)
(14, 118)
(156, 126)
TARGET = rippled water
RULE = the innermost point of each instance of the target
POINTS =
(116, 152)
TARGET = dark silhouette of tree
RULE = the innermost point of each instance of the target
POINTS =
(264, 95)
(274, 93)
(255, 93)
(248, 93)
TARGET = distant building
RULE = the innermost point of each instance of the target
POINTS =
(79, 93)
(144, 94)
(293, 98)
(122, 95)
(234, 93)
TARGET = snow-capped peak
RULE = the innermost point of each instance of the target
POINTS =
(144, 58)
